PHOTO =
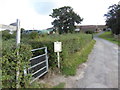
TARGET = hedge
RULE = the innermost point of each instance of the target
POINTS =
(71, 43)
(10, 64)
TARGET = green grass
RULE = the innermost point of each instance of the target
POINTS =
(77, 58)
(108, 36)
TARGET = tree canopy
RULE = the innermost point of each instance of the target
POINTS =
(65, 19)
(113, 18)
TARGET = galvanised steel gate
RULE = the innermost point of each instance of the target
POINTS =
(39, 64)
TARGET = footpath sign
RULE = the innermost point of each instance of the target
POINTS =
(17, 45)
(58, 48)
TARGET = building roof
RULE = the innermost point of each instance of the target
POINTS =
(90, 27)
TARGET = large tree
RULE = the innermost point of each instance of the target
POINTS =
(65, 19)
(113, 18)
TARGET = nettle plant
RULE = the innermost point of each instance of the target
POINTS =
(10, 65)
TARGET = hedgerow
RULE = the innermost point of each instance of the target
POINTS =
(71, 44)
(10, 64)
(7, 36)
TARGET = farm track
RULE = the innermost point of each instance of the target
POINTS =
(102, 66)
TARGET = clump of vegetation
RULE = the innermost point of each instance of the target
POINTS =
(33, 35)
(6, 35)
(89, 32)
(109, 36)
(10, 65)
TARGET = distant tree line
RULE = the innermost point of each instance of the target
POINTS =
(113, 18)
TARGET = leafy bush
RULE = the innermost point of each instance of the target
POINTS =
(10, 64)
(89, 32)
(6, 35)
(104, 29)
(33, 35)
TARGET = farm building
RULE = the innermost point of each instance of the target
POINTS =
(85, 28)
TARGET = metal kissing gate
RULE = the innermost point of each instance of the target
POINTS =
(39, 64)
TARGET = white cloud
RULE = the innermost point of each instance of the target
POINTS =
(91, 10)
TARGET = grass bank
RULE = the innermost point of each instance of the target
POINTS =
(108, 36)
(77, 58)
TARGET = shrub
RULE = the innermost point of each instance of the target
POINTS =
(6, 35)
(33, 35)
(89, 32)
(104, 29)
(10, 64)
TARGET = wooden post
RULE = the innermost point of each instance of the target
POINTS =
(58, 57)
(17, 45)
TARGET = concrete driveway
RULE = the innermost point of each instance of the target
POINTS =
(102, 66)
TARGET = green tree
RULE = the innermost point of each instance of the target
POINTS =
(65, 19)
(113, 18)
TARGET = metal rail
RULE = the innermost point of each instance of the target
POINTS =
(37, 64)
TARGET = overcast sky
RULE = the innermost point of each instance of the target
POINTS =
(35, 13)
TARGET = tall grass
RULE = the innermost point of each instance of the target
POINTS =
(72, 62)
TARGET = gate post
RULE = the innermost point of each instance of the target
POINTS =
(46, 57)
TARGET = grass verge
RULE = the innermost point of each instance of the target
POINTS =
(77, 58)
(108, 36)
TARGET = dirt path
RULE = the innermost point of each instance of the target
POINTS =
(69, 81)
(100, 71)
